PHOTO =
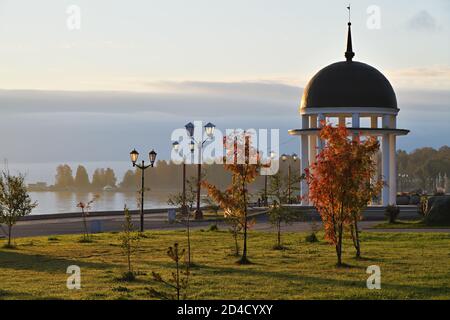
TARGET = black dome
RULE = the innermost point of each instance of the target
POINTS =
(349, 84)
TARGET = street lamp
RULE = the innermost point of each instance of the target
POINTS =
(209, 130)
(176, 147)
(266, 200)
(294, 157)
(402, 178)
(134, 155)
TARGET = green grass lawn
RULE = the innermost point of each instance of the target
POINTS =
(409, 224)
(413, 265)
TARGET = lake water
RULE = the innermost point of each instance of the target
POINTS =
(63, 202)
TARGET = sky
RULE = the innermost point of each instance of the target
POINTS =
(136, 70)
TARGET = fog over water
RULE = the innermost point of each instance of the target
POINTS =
(59, 127)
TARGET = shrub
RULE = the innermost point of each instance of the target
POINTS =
(414, 199)
(438, 211)
(403, 199)
(392, 212)
(213, 227)
(128, 276)
(311, 238)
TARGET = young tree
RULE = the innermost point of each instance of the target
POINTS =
(180, 278)
(341, 181)
(214, 206)
(82, 179)
(129, 239)
(85, 207)
(243, 162)
(178, 201)
(278, 213)
(15, 202)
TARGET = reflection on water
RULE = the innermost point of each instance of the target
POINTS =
(62, 202)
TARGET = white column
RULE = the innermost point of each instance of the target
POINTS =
(386, 121)
(374, 124)
(355, 120)
(385, 171)
(393, 121)
(392, 170)
(304, 160)
(312, 139)
(320, 141)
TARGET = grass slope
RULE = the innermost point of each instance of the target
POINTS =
(413, 265)
(409, 224)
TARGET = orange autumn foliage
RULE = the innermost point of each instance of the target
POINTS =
(342, 180)
(233, 199)
(242, 160)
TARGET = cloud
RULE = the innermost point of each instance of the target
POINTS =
(42, 126)
(254, 90)
(431, 77)
(423, 21)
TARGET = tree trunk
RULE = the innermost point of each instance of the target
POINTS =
(279, 233)
(129, 260)
(178, 279)
(339, 246)
(189, 238)
(244, 250)
(355, 238)
(9, 234)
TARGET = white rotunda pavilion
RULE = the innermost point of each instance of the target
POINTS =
(352, 93)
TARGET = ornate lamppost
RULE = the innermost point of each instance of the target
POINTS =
(134, 155)
(209, 130)
(284, 157)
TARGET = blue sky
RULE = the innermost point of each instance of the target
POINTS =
(138, 69)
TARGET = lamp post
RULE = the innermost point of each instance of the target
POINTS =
(402, 177)
(266, 200)
(176, 147)
(284, 157)
(134, 155)
(209, 130)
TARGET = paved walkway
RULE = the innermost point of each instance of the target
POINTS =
(158, 221)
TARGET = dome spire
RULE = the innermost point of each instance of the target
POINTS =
(349, 54)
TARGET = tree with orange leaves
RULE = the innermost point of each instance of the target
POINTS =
(242, 160)
(341, 183)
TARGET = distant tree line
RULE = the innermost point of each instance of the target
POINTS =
(64, 179)
(423, 169)
(418, 170)
(165, 176)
